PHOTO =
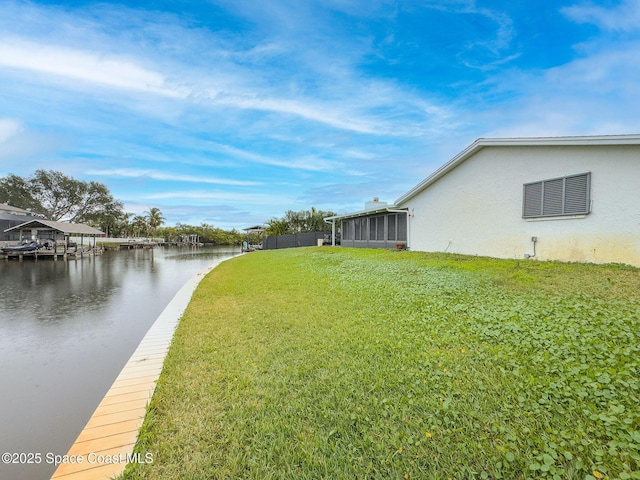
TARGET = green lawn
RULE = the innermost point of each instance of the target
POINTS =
(346, 363)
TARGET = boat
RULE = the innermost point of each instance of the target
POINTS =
(25, 247)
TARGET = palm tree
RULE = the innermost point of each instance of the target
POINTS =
(139, 226)
(154, 218)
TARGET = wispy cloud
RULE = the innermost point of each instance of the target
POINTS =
(306, 163)
(623, 17)
(323, 85)
(85, 66)
(9, 128)
(267, 106)
(492, 31)
(167, 176)
(203, 196)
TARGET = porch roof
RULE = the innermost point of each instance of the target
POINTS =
(59, 227)
(366, 213)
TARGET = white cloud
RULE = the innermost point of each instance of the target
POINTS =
(9, 128)
(328, 116)
(166, 176)
(200, 196)
(86, 66)
(624, 17)
(589, 95)
(305, 163)
(322, 83)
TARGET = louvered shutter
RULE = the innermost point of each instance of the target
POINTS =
(552, 197)
(576, 197)
(533, 200)
(557, 196)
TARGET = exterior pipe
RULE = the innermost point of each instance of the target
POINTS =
(528, 255)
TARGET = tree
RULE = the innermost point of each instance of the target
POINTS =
(298, 222)
(205, 233)
(59, 197)
(277, 227)
(139, 226)
(154, 218)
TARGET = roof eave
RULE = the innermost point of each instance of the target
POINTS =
(363, 213)
(480, 143)
(60, 227)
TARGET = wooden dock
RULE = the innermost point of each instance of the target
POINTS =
(106, 443)
(133, 245)
(59, 254)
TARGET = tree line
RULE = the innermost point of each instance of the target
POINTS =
(59, 197)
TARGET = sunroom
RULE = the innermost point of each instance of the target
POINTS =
(384, 227)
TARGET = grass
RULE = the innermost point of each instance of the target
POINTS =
(346, 363)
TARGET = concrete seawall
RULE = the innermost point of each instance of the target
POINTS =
(105, 446)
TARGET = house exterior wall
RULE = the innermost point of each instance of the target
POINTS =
(477, 208)
(8, 220)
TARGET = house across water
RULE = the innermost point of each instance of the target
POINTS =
(41, 238)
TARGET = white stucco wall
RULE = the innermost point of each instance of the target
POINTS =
(476, 208)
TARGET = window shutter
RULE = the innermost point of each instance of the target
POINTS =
(533, 200)
(557, 196)
(552, 197)
(576, 198)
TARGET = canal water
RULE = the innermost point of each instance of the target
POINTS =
(66, 331)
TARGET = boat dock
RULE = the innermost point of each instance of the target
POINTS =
(133, 244)
(50, 239)
(58, 254)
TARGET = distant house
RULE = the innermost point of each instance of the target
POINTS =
(40, 229)
(11, 216)
(18, 225)
(551, 198)
(4, 208)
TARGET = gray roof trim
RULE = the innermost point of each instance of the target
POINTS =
(364, 213)
(62, 227)
(480, 143)
(5, 207)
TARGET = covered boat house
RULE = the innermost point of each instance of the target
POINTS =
(57, 238)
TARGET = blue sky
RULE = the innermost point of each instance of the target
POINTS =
(231, 112)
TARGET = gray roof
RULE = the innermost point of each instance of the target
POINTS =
(10, 209)
(481, 143)
(364, 213)
(255, 228)
(61, 227)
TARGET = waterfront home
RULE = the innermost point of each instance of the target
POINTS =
(550, 198)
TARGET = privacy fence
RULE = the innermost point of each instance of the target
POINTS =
(294, 240)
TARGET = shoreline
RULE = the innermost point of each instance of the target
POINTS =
(105, 446)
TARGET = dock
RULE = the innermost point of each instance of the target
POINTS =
(57, 254)
(133, 244)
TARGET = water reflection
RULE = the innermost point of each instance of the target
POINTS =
(66, 330)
